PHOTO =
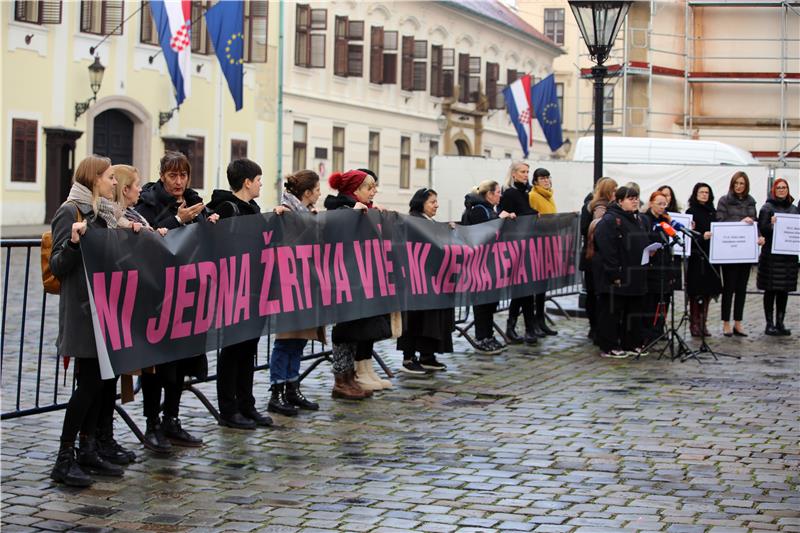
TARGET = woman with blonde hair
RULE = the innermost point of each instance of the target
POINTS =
(88, 206)
(126, 195)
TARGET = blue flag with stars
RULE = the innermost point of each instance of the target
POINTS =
(225, 23)
(545, 104)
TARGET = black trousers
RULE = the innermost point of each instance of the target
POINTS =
(363, 350)
(781, 298)
(618, 322)
(524, 305)
(539, 300)
(235, 368)
(170, 377)
(83, 408)
(105, 418)
(734, 289)
(591, 299)
(484, 320)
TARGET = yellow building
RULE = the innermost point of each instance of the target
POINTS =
(48, 49)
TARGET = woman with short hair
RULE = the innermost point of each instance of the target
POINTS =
(541, 200)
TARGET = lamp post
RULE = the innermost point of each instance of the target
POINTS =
(96, 71)
(599, 22)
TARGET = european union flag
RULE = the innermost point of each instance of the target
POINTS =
(225, 23)
(545, 104)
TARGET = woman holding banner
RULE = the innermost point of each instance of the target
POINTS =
(777, 273)
(481, 206)
(515, 200)
(88, 205)
(541, 200)
(354, 376)
(702, 280)
(736, 206)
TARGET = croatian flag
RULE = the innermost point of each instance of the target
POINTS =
(173, 19)
(518, 104)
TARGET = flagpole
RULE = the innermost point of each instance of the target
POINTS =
(220, 90)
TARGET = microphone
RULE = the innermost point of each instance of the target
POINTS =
(683, 229)
(670, 232)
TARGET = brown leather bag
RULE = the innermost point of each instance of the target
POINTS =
(51, 284)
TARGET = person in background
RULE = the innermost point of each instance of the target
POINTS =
(672, 202)
(603, 194)
(353, 341)
(702, 279)
(736, 206)
(777, 273)
(90, 197)
(430, 331)
(481, 206)
(300, 195)
(541, 200)
(236, 362)
(515, 200)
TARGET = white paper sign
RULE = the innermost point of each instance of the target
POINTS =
(733, 242)
(686, 220)
(650, 248)
(786, 234)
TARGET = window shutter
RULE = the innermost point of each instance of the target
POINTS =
(316, 50)
(302, 44)
(407, 66)
(437, 88)
(355, 60)
(511, 76)
(390, 68)
(340, 47)
(376, 55)
(463, 78)
(492, 74)
(196, 153)
(23, 154)
(113, 11)
(49, 12)
(86, 15)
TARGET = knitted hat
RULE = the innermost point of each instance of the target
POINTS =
(347, 182)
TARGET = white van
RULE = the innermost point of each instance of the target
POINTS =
(656, 150)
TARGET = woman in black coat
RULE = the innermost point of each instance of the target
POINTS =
(620, 279)
(481, 206)
(91, 198)
(431, 331)
(702, 279)
(736, 206)
(515, 200)
(777, 273)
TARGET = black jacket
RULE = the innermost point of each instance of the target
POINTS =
(776, 272)
(75, 332)
(515, 200)
(160, 208)
(226, 204)
(662, 266)
(477, 209)
(701, 276)
(619, 240)
(340, 201)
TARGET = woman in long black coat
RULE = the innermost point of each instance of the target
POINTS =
(703, 282)
(777, 273)
(431, 331)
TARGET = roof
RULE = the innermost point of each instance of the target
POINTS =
(500, 13)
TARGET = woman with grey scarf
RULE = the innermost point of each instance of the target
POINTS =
(302, 192)
(89, 206)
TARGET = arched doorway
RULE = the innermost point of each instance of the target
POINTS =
(462, 147)
(113, 136)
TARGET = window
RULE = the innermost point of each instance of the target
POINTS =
(375, 152)
(255, 31)
(38, 12)
(24, 135)
(238, 149)
(405, 162)
(338, 149)
(487, 153)
(196, 155)
(554, 25)
(102, 18)
(560, 96)
(511, 76)
(415, 68)
(147, 31)
(608, 104)
(201, 44)
(348, 51)
(299, 143)
(383, 56)
(493, 94)
(469, 80)
(310, 37)
(442, 63)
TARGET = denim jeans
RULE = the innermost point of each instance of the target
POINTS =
(284, 363)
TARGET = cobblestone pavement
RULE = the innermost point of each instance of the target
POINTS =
(553, 439)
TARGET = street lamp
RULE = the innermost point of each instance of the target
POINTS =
(599, 22)
(96, 71)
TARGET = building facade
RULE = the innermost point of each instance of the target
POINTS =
(389, 85)
(48, 48)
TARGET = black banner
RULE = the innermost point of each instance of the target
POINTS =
(206, 286)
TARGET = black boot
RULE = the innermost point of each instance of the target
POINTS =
(278, 403)
(779, 318)
(178, 436)
(110, 450)
(511, 329)
(154, 438)
(545, 328)
(771, 329)
(295, 397)
(66, 470)
(92, 463)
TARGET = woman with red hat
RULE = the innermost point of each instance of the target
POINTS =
(354, 375)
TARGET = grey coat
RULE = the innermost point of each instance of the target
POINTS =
(731, 208)
(75, 333)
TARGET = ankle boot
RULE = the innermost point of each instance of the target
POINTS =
(66, 470)
(343, 389)
(350, 377)
(154, 438)
(91, 462)
(171, 425)
(694, 318)
(547, 330)
(278, 402)
(770, 328)
(296, 398)
(363, 377)
(782, 330)
(704, 317)
(110, 450)
(511, 329)
(370, 369)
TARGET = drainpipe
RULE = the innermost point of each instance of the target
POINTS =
(279, 176)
